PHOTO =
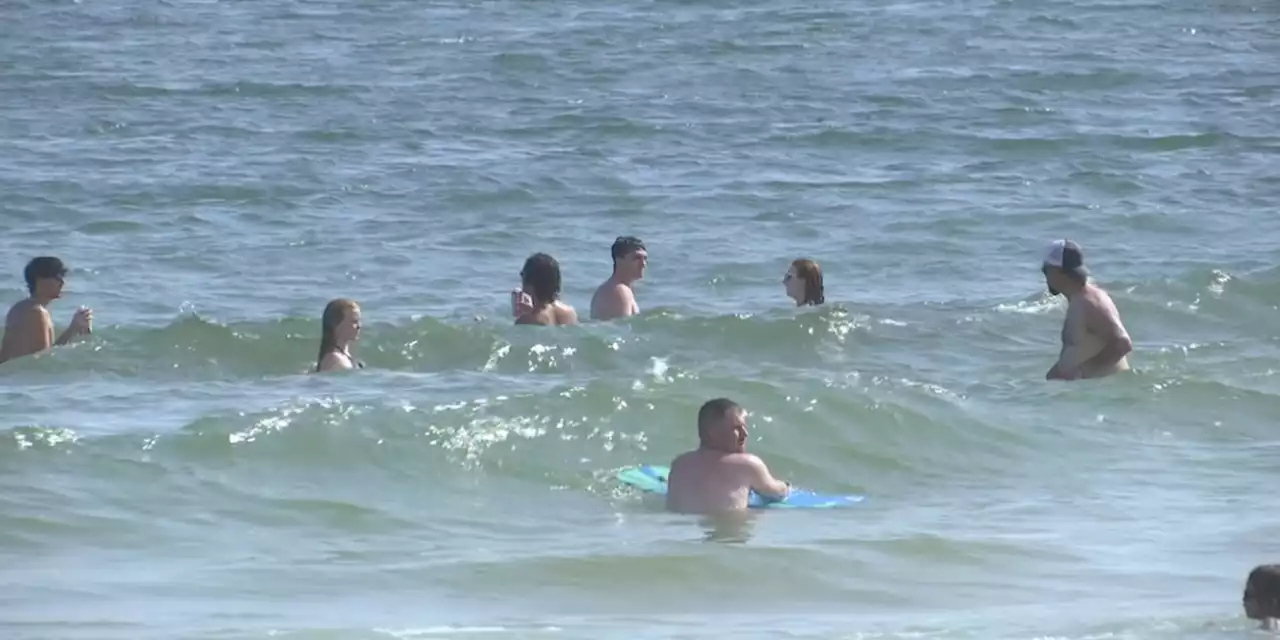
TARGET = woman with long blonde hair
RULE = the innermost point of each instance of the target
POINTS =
(804, 283)
(339, 327)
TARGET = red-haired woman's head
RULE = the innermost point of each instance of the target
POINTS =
(804, 283)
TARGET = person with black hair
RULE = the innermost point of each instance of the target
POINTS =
(28, 328)
(615, 297)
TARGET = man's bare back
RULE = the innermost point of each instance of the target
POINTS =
(28, 329)
(704, 481)
(555, 314)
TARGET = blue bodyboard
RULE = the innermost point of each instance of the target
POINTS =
(653, 479)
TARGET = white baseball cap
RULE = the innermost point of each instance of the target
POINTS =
(1066, 255)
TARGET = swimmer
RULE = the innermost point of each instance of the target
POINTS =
(339, 327)
(719, 475)
(537, 301)
(803, 283)
(1094, 340)
(615, 298)
(1262, 596)
(28, 328)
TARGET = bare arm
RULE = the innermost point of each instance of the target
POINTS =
(66, 336)
(1103, 320)
(763, 482)
(1055, 372)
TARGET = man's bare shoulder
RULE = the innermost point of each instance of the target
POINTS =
(27, 310)
(610, 286)
(1097, 300)
(610, 292)
(682, 459)
(745, 460)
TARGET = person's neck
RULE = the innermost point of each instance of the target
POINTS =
(618, 278)
(1074, 289)
(43, 301)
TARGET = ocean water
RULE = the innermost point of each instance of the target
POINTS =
(214, 172)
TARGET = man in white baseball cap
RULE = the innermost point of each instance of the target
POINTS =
(1094, 340)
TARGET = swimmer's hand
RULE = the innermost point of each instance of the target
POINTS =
(521, 303)
(82, 321)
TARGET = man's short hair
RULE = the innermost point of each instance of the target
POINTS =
(714, 410)
(43, 267)
(625, 245)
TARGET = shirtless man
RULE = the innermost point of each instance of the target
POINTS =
(28, 328)
(1094, 340)
(537, 301)
(614, 298)
(719, 474)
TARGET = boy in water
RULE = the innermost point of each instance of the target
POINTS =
(719, 475)
(28, 328)
(615, 298)
(1262, 595)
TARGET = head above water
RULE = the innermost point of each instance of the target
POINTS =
(1262, 592)
(540, 278)
(1063, 267)
(339, 326)
(629, 257)
(722, 426)
(804, 282)
(45, 276)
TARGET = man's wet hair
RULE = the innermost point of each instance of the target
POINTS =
(1263, 587)
(713, 411)
(43, 267)
(625, 245)
(541, 273)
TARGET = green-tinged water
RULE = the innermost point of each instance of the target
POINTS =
(214, 172)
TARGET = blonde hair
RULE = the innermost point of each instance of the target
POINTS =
(811, 273)
(334, 313)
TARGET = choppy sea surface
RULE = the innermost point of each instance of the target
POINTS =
(215, 172)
